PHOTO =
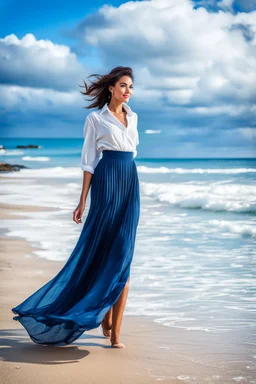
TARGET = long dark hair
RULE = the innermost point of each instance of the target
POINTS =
(99, 88)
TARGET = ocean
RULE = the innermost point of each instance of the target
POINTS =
(194, 260)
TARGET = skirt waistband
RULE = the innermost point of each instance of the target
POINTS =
(113, 154)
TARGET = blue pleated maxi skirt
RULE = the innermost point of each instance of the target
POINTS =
(93, 277)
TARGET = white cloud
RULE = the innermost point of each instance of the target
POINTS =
(39, 87)
(38, 100)
(188, 56)
(152, 131)
(38, 63)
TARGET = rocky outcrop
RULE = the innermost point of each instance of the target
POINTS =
(5, 167)
(28, 146)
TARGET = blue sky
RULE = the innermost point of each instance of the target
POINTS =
(194, 64)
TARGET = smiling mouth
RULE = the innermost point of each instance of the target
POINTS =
(126, 95)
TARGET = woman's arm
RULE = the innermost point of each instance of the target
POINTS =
(87, 179)
(78, 212)
(89, 159)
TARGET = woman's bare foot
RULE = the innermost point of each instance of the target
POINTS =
(116, 344)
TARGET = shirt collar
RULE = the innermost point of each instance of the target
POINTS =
(126, 107)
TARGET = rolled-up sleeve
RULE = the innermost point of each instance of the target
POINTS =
(90, 156)
(136, 138)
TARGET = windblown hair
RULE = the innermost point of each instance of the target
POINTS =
(98, 89)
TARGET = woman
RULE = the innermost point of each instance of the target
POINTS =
(91, 289)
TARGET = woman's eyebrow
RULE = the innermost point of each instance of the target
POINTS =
(124, 83)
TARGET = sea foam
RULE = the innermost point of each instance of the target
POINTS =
(208, 196)
(37, 158)
(162, 169)
(52, 172)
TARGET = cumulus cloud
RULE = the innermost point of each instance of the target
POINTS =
(193, 56)
(194, 69)
(47, 101)
(39, 88)
(38, 64)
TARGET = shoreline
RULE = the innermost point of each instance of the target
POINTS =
(153, 352)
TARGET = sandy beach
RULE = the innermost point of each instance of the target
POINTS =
(153, 353)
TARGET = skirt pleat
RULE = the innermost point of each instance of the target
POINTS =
(94, 276)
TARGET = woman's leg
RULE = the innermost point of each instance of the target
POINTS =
(117, 313)
(107, 323)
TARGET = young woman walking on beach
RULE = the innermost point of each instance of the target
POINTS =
(91, 289)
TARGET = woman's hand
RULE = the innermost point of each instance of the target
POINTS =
(78, 212)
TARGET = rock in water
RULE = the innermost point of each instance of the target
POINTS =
(28, 146)
(5, 167)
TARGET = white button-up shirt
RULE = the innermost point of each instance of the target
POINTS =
(103, 130)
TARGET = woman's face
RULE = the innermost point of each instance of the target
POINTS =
(123, 89)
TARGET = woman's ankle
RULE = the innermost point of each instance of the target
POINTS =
(106, 325)
(114, 336)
